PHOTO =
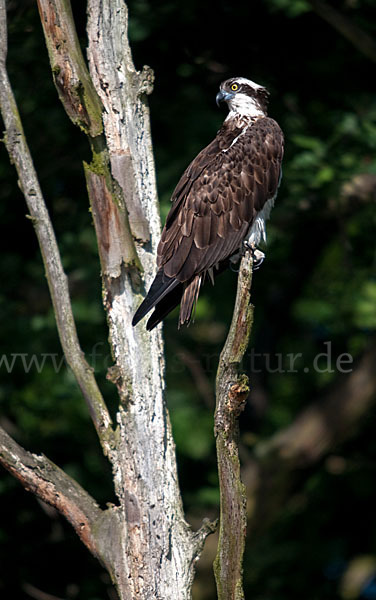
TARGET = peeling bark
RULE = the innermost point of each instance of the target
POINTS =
(123, 91)
(69, 71)
(114, 240)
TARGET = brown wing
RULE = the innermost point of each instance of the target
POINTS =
(218, 197)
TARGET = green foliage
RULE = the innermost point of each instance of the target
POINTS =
(365, 306)
(292, 9)
(195, 442)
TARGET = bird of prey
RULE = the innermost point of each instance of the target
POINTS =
(220, 204)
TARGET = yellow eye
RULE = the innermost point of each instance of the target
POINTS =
(234, 87)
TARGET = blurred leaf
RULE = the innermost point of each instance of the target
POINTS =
(192, 430)
(365, 306)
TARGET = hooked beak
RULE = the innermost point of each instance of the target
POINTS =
(223, 96)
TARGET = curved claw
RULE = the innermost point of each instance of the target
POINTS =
(258, 258)
(257, 255)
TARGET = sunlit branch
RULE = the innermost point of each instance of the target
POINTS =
(231, 392)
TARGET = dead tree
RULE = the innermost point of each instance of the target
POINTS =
(144, 542)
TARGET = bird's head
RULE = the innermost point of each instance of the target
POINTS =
(243, 96)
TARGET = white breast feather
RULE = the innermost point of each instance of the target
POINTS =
(257, 231)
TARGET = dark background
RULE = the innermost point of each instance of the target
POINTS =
(315, 292)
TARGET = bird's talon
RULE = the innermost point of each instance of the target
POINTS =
(247, 246)
(258, 258)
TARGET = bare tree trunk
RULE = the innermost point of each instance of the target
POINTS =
(158, 547)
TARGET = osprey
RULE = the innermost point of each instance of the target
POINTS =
(220, 204)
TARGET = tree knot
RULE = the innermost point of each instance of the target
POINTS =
(146, 80)
(237, 395)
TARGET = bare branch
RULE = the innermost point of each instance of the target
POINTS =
(49, 483)
(98, 529)
(34, 592)
(69, 71)
(354, 34)
(57, 280)
(145, 543)
(232, 390)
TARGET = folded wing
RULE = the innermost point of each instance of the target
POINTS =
(214, 204)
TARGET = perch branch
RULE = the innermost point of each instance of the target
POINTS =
(231, 392)
(19, 153)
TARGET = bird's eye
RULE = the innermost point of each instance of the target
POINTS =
(234, 87)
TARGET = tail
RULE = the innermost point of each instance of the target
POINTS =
(165, 306)
(160, 287)
(164, 295)
(189, 299)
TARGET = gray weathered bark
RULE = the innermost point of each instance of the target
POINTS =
(231, 391)
(159, 548)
